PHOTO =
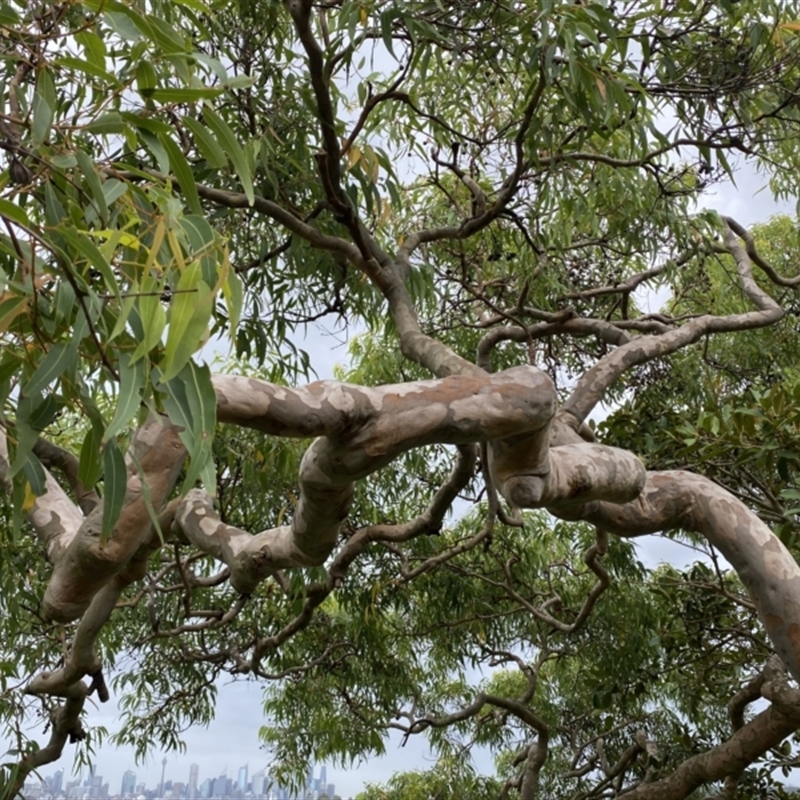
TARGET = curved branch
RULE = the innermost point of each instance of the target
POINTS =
(758, 259)
(55, 518)
(681, 500)
(607, 332)
(51, 455)
(361, 430)
(728, 759)
(93, 556)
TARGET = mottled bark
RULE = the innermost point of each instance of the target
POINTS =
(682, 500)
(535, 459)
(89, 556)
(362, 429)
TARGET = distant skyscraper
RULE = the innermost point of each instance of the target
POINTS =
(194, 773)
(309, 780)
(241, 781)
(57, 781)
(128, 783)
(257, 783)
(163, 770)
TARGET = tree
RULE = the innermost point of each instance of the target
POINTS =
(482, 190)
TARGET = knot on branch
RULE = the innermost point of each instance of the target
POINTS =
(578, 474)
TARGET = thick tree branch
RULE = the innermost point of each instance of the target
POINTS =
(683, 501)
(728, 759)
(55, 518)
(93, 556)
(362, 429)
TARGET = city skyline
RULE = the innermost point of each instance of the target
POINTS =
(259, 785)
(231, 740)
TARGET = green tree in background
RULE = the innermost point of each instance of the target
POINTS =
(437, 543)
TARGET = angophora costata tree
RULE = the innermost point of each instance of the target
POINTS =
(484, 189)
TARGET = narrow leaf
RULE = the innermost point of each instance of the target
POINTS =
(191, 404)
(131, 377)
(92, 180)
(230, 143)
(43, 108)
(14, 213)
(209, 147)
(189, 313)
(183, 173)
(53, 364)
(90, 466)
(115, 481)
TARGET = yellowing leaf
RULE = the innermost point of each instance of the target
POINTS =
(10, 308)
(29, 498)
(116, 238)
(353, 157)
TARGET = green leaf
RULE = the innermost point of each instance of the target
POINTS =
(44, 104)
(88, 68)
(87, 248)
(233, 292)
(10, 309)
(34, 414)
(146, 78)
(60, 357)
(189, 314)
(131, 383)
(35, 474)
(90, 466)
(153, 318)
(191, 404)
(154, 145)
(14, 213)
(92, 180)
(110, 122)
(234, 150)
(115, 483)
(207, 144)
(94, 47)
(185, 95)
(183, 174)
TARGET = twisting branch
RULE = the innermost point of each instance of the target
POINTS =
(362, 429)
(681, 500)
(751, 741)
(53, 456)
(757, 258)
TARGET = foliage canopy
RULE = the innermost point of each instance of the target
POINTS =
(467, 188)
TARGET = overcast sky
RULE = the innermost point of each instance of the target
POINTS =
(232, 739)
